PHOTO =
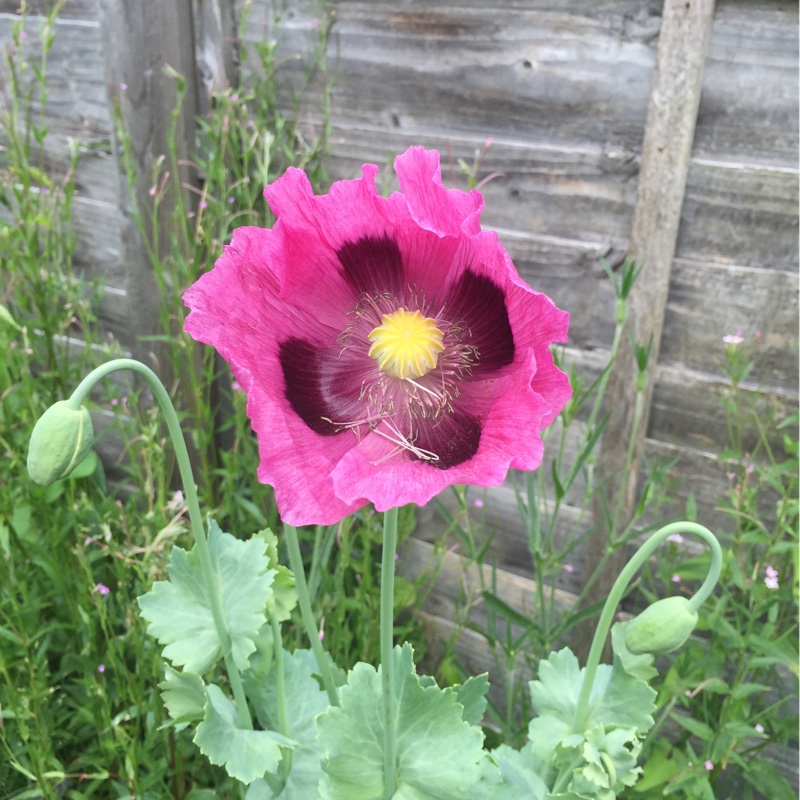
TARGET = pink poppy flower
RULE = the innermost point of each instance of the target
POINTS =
(387, 346)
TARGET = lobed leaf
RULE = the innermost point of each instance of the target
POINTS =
(184, 696)
(439, 755)
(518, 774)
(284, 591)
(179, 610)
(601, 757)
(305, 700)
(245, 754)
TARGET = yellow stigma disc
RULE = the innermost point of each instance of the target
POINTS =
(406, 344)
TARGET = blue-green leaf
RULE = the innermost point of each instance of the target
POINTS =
(472, 695)
(602, 762)
(179, 610)
(519, 778)
(184, 695)
(305, 700)
(439, 755)
(245, 754)
(640, 666)
(284, 592)
(601, 755)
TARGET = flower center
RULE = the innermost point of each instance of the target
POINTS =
(406, 345)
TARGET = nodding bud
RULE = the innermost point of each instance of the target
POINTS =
(661, 627)
(61, 439)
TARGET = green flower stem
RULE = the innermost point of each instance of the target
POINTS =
(612, 355)
(387, 654)
(192, 502)
(307, 613)
(638, 411)
(280, 685)
(618, 589)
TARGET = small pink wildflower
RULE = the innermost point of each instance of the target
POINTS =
(759, 727)
(734, 338)
(675, 537)
(771, 581)
(234, 98)
(202, 204)
(102, 589)
(569, 568)
(709, 764)
(101, 668)
(676, 578)
(123, 86)
(478, 503)
(23, 35)
(176, 503)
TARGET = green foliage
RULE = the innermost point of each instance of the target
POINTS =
(439, 753)
(305, 701)
(561, 506)
(79, 713)
(245, 754)
(732, 691)
(344, 581)
(180, 613)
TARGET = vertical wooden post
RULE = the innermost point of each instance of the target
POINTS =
(666, 151)
(141, 38)
(216, 48)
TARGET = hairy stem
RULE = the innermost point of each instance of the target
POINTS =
(387, 652)
(617, 591)
(307, 613)
(193, 504)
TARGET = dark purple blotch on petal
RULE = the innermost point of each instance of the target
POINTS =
(480, 304)
(301, 363)
(372, 264)
(453, 437)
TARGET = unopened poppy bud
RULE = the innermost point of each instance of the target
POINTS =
(61, 439)
(661, 627)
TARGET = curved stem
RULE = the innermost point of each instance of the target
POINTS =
(307, 613)
(618, 589)
(193, 504)
(387, 654)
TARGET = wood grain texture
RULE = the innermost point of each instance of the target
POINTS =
(576, 71)
(666, 151)
(140, 42)
(733, 215)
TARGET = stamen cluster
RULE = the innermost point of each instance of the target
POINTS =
(399, 396)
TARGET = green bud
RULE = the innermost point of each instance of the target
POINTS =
(661, 627)
(61, 439)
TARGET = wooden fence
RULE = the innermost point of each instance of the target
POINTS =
(604, 143)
